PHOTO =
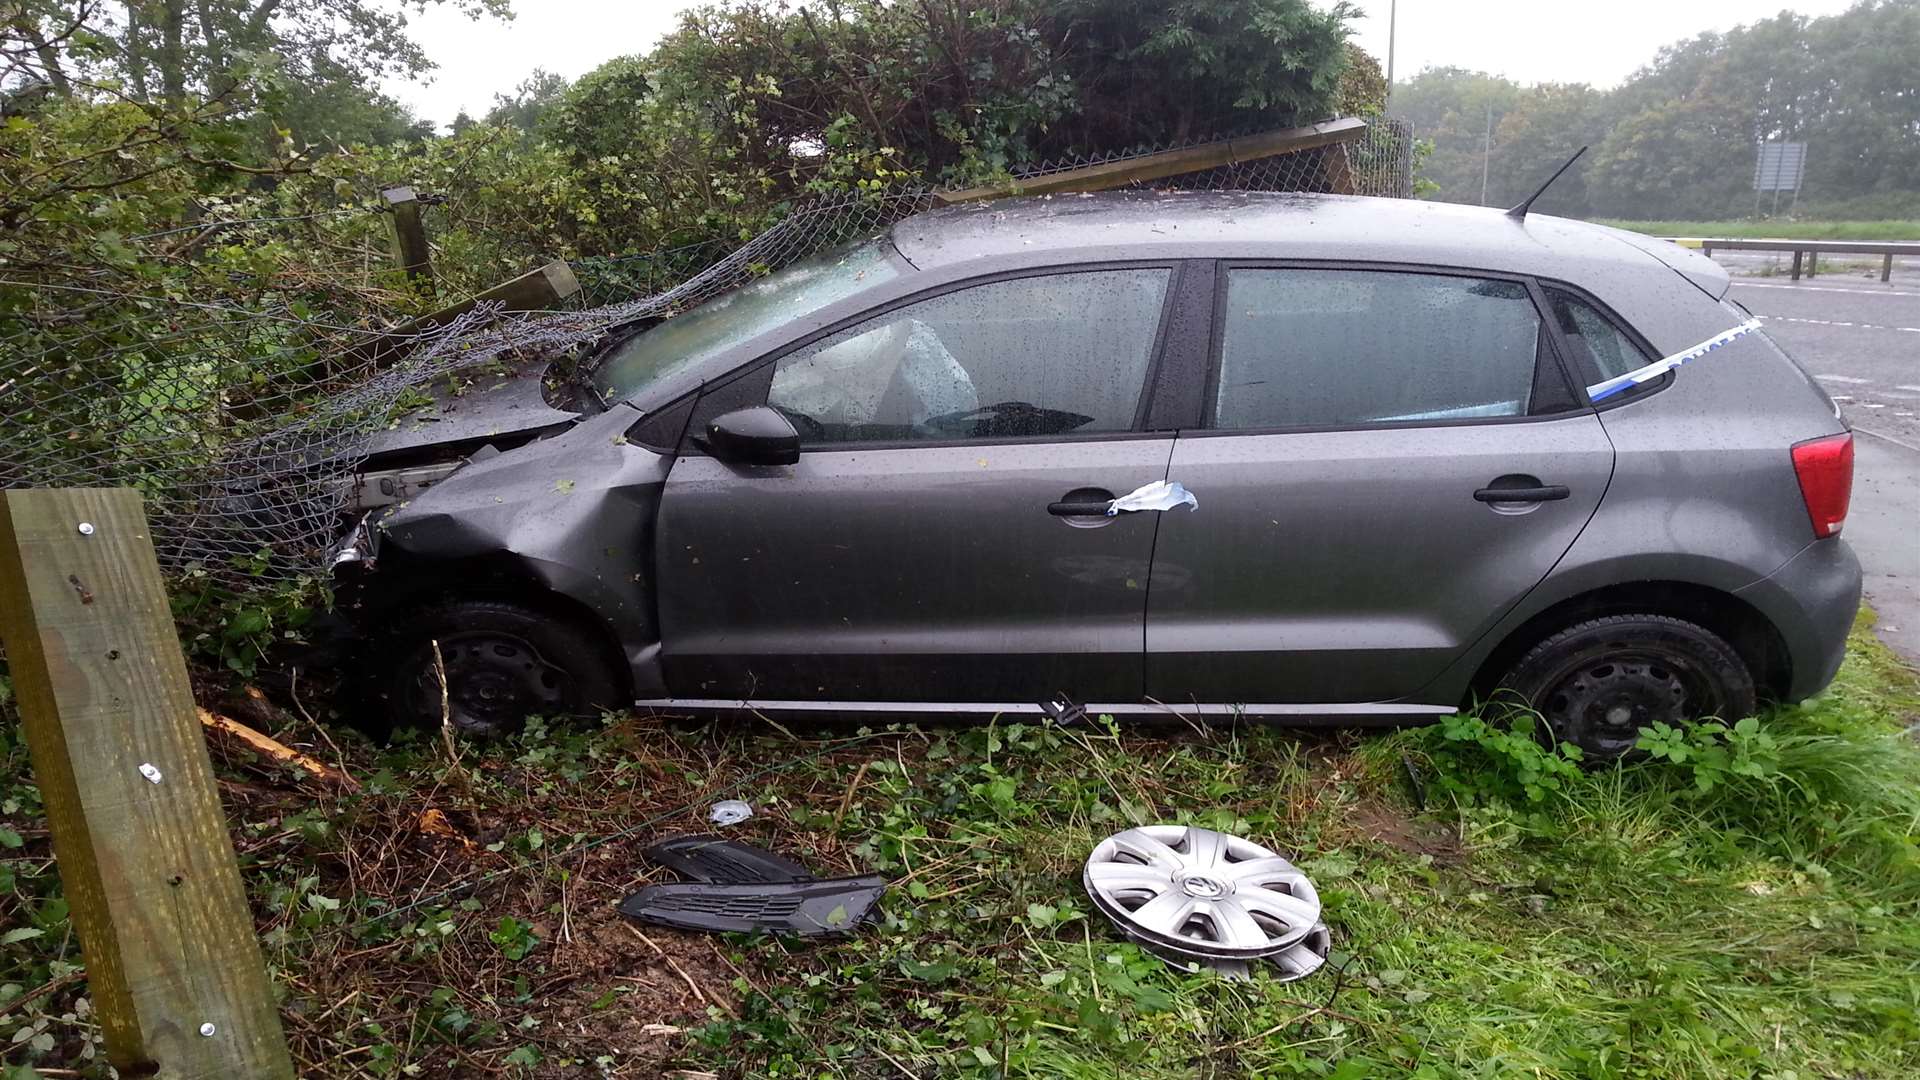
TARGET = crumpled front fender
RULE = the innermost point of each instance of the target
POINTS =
(573, 513)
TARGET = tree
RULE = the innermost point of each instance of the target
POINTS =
(1363, 86)
(529, 101)
(1161, 72)
(1537, 134)
(1678, 137)
(311, 67)
(962, 89)
(1455, 108)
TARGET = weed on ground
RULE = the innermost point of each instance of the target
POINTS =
(1743, 903)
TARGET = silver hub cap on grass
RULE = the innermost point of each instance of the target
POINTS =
(1203, 894)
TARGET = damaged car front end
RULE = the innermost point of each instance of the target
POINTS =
(552, 533)
(502, 538)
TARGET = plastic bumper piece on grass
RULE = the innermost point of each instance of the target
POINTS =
(803, 908)
(739, 888)
(709, 858)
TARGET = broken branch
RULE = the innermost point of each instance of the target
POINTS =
(276, 750)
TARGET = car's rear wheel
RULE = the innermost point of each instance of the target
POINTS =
(1596, 684)
(503, 662)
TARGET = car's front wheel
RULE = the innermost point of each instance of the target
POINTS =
(1596, 684)
(503, 662)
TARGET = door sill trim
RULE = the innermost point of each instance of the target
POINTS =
(1327, 713)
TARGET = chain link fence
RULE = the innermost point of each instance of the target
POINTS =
(244, 425)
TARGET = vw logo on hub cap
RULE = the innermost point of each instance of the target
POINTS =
(1205, 887)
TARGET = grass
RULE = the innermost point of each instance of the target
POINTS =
(1748, 909)
(1778, 230)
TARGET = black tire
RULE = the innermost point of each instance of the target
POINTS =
(504, 662)
(1596, 684)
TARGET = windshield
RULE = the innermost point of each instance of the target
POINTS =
(743, 314)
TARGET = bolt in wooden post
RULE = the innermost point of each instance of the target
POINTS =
(410, 251)
(173, 967)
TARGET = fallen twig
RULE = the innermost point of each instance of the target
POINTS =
(43, 990)
(699, 994)
(276, 750)
(847, 799)
(446, 736)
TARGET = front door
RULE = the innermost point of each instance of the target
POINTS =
(940, 539)
(1392, 459)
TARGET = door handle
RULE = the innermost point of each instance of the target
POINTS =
(1542, 493)
(1097, 502)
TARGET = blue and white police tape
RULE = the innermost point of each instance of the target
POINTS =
(1606, 388)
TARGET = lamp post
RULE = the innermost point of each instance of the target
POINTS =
(1393, 13)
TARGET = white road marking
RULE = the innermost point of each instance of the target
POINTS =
(1871, 405)
(1838, 322)
(1904, 386)
(1841, 378)
(1824, 288)
(1841, 397)
(1887, 438)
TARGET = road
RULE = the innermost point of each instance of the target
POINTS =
(1861, 339)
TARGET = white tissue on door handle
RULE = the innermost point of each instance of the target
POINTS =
(1159, 495)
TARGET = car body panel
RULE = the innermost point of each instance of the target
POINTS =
(914, 573)
(573, 514)
(505, 404)
(1812, 601)
(1354, 565)
(1708, 276)
(1703, 493)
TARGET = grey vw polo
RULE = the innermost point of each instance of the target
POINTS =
(1310, 458)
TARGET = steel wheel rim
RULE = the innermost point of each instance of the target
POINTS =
(494, 681)
(1602, 704)
(1201, 893)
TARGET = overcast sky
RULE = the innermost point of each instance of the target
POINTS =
(1527, 40)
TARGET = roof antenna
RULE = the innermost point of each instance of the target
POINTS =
(1519, 213)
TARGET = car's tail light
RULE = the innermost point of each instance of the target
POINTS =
(1825, 468)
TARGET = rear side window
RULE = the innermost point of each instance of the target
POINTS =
(1345, 348)
(1029, 357)
(1601, 350)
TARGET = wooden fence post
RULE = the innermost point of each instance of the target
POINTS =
(173, 967)
(1337, 167)
(410, 251)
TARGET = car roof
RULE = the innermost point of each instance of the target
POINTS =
(1254, 224)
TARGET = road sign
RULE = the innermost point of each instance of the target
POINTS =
(1779, 166)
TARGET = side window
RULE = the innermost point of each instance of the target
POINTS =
(1600, 350)
(1032, 356)
(1345, 348)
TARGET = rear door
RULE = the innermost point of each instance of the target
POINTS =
(1390, 459)
(940, 539)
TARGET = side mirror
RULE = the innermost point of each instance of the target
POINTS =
(755, 436)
